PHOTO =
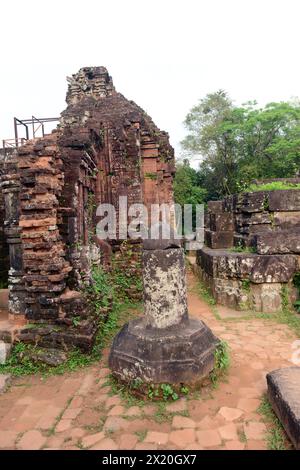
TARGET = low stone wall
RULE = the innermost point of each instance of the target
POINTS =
(247, 281)
(252, 249)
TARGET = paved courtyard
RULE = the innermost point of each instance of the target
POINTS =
(80, 411)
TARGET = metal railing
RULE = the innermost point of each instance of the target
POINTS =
(32, 126)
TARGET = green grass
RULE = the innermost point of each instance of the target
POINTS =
(242, 436)
(162, 415)
(273, 186)
(275, 437)
(141, 435)
(139, 393)
(203, 292)
(222, 362)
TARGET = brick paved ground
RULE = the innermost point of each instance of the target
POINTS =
(78, 410)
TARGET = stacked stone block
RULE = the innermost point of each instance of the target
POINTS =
(219, 226)
(256, 270)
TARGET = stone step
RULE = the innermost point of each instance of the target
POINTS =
(284, 395)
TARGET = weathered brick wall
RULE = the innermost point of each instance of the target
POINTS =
(131, 156)
(104, 147)
(44, 263)
(4, 253)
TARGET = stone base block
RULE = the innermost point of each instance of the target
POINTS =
(231, 293)
(5, 349)
(221, 222)
(259, 269)
(183, 353)
(5, 380)
(284, 395)
(284, 200)
(217, 240)
(287, 220)
(266, 298)
(216, 207)
(246, 295)
(286, 241)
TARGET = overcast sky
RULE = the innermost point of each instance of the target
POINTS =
(163, 54)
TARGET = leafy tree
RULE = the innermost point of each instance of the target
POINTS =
(238, 144)
(187, 189)
(186, 185)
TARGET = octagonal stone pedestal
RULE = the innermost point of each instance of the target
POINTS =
(165, 345)
(183, 353)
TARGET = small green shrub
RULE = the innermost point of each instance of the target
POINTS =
(222, 359)
(153, 392)
(168, 392)
(99, 293)
(164, 391)
(246, 285)
(222, 362)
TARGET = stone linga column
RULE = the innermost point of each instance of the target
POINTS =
(165, 345)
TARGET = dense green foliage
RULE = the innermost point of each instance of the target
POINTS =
(239, 144)
(186, 185)
(187, 189)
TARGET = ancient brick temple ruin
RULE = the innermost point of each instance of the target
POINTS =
(104, 147)
(252, 250)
